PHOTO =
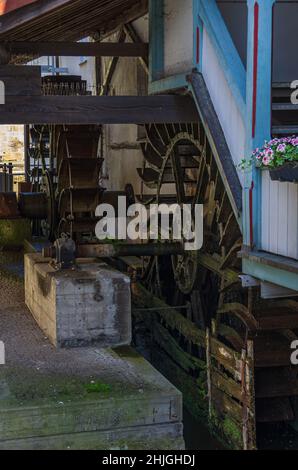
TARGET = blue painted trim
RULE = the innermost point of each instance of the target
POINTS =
(197, 25)
(263, 111)
(227, 53)
(270, 274)
(171, 83)
(156, 39)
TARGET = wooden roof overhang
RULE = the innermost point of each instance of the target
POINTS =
(65, 20)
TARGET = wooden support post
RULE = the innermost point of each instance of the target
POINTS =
(258, 104)
(244, 400)
(250, 392)
(4, 55)
(133, 35)
(156, 33)
(112, 67)
(189, 318)
(208, 364)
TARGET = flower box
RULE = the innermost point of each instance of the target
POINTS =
(279, 157)
(286, 173)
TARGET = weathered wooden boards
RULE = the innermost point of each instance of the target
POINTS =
(9, 6)
(24, 104)
(224, 389)
(69, 20)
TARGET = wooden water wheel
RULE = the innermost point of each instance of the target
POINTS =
(247, 339)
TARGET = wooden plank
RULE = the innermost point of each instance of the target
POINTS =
(293, 221)
(265, 210)
(274, 410)
(242, 312)
(273, 211)
(69, 19)
(77, 49)
(284, 321)
(250, 394)
(194, 393)
(227, 406)
(97, 110)
(272, 383)
(227, 385)
(213, 264)
(208, 365)
(230, 359)
(185, 360)
(231, 335)
(21, 16)
(270, 259)
(172, 318)
(21, 80)
(272, 350)
(282, 209)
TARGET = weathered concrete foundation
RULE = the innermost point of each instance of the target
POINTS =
(90, 304)
(125, 404)
(80, 398)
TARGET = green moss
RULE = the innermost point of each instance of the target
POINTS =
(98, 387)
(13, 232)
(225, 430)
(232, 431)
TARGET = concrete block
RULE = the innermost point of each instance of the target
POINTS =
(90, 304)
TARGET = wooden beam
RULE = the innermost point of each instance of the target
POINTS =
(112, 66)
(21, 81)
(73, 49)
(22, 15)
(135, 38)
(97, 109)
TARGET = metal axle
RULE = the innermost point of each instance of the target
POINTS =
(107, 250)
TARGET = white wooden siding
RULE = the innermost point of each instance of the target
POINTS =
(224, 102)
(178, 28)
(279, 217)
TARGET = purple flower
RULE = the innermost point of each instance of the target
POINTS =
(281, 148)
(269, 153)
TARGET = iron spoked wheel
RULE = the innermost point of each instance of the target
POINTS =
(48, 226)
(184, 171)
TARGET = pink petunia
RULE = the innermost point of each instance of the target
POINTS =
(266, 161)
(281, 148)
(269, 153)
